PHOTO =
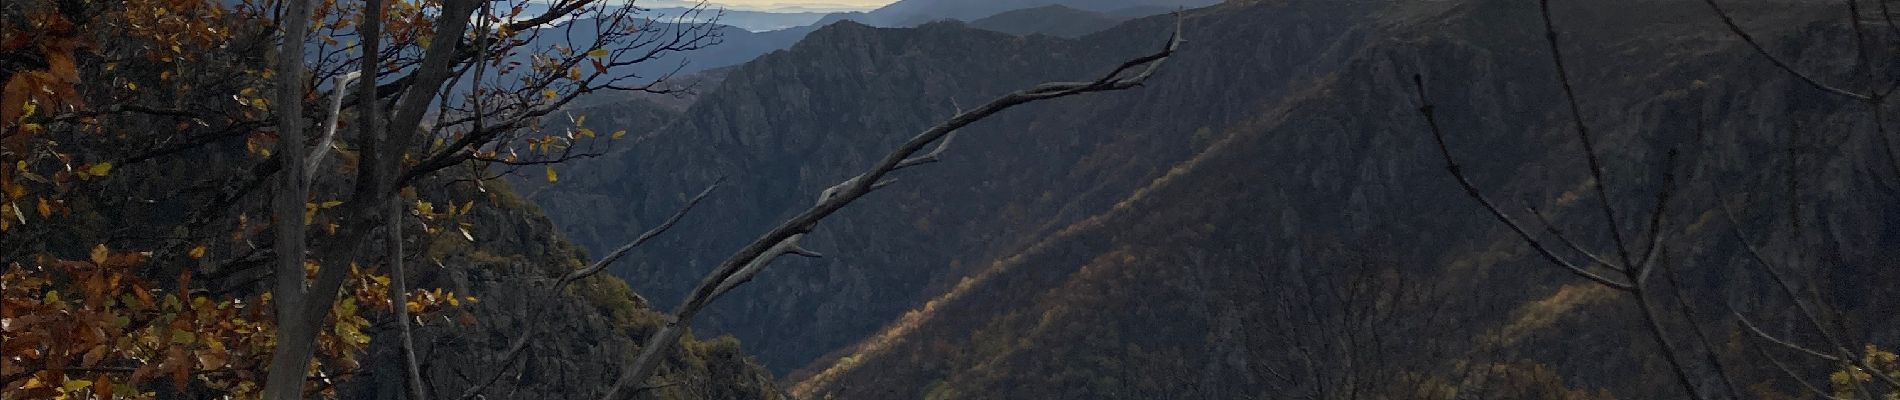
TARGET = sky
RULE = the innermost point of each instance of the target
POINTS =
(820, 5)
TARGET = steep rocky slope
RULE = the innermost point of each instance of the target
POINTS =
(1271, 203)
(581, 337)
(1234, 274)
(784, 127)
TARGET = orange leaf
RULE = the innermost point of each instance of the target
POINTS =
(99, 254)
(126, 260)
(61, 65)
(102, 387)
(92, 357)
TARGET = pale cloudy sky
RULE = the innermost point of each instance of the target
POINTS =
(771, 4)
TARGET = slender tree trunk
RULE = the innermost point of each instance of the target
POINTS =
(372, 126)
(399, 294)
(296, 340)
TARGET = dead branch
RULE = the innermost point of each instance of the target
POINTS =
(742, 266)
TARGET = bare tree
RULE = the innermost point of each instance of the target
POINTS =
(405, 88)
(1631, 263)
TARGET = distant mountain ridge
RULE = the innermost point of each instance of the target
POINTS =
(756, 21)
(1135, 245)
(1054, 20)
(915, 12)
(792, 123)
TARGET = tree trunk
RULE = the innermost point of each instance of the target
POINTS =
(296, 339)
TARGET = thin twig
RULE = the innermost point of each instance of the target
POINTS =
(1451, 164)
(1783, 65)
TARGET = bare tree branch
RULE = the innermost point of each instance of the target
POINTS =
(1795, 376)
(338, 88)
(747, 262)
(1701, 335)
(1565, 239)
(521, 343)
(1597, 181)
(1451, 164)
(1783, 65)
(1808, 311)
(1756, 330)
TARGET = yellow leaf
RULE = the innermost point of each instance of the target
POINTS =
(331, 204)
(45, 208)
(100, 169)
(620, 134)
(551, 176)
(74, 385)
(587, 133)
(574, 73)
(198, 252)
(580, 121)
(99, 254)
(597, 53)
(549, 93)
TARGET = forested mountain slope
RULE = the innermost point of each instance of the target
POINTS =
(784, 127)
(1320, 250)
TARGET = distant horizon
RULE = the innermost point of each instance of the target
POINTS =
(779, 5)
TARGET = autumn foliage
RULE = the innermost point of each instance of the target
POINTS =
(90, 86)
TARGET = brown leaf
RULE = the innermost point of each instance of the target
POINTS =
(61, 65)
(179, 364)
(126, 260)
(102, 387)
(92, 357)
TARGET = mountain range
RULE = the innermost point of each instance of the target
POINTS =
(1238, 218)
